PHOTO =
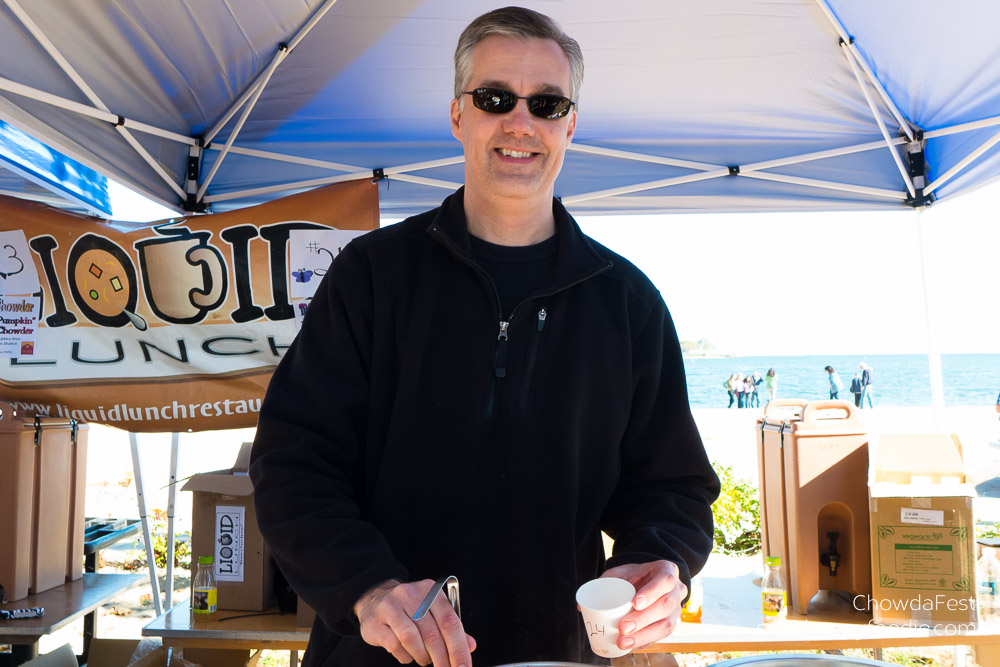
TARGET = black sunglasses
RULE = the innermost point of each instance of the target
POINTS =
(498, 100)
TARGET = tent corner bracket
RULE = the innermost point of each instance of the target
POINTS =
(193, 205)
(734, 170)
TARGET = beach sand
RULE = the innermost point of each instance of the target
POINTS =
(728, 434)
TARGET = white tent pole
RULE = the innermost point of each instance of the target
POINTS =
(146, 533)
(963, 163)
(828, 185)
(281, 187)
(150, 160)
(316, 182)
(84, 110)
(339, 166)
(171, 498)
(962, 127)
(432, 182)
(643, 157)
(703, 166)
(429, 164)
(881, 126)
(74, 76)
(853, 53)
(282, 53)
(639, 187)
(30, 196)
(54, 53)
(933, 354)
(259, 82)
(292, 159)
(818, 155)
(763, 175)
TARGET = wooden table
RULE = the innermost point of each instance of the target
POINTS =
(63, 604)
(232, 630)
(831, 624)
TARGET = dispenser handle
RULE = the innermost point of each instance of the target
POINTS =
(810, 413)
(783, 404)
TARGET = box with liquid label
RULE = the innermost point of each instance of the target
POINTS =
(224, 525)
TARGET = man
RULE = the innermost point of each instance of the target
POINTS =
(866, 384)
(479, 391)
(835, 384)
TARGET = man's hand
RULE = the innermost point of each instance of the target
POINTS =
(658, 596)
(386, 616)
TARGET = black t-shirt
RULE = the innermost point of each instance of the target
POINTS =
(517, 271)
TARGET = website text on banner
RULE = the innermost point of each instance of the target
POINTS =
(163, 327)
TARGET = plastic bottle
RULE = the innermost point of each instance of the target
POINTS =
(204, 592)
(774, 600)
(691, 611)
(988, 586)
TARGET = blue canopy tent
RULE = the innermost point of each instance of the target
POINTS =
(715, 105)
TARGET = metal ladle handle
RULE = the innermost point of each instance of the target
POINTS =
(451, 592)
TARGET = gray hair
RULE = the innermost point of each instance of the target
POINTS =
(519, 23)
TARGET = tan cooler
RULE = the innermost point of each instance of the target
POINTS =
(43, 467)
(815, 474)
(778, 415)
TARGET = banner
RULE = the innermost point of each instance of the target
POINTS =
(164, 326)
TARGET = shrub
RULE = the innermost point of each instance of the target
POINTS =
(736, 514)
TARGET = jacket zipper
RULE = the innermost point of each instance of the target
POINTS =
(529, 370)
(500, 360)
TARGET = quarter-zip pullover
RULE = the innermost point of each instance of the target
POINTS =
(415, 430)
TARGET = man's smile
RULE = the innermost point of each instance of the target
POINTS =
(516, 154)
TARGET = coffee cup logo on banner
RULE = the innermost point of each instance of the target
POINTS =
(183, 276)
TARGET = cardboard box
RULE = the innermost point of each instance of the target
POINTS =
(43, 468)
(224, 525)
(922, 533)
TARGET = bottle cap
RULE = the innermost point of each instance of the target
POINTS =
(772, 560)
(206, 560)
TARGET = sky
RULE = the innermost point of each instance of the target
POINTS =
(804, 283)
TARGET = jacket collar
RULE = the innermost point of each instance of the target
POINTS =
(576, 256)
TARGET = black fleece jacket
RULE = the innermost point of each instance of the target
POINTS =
(403, 436)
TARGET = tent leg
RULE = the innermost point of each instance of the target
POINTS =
(933, 354)
(146, 533)
(171, 497)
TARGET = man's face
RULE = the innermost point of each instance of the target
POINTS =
(514, 155)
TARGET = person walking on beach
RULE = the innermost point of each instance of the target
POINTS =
(856, 389)
(732, 385)
(835, 384)
(756, 379)
(392, 450)
(771, 384)
(866, 384)
(747, 390)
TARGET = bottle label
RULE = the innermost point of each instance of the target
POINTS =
(204, 600)
(773, 604)
(988, 587)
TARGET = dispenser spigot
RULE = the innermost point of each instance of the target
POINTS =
(831, 559)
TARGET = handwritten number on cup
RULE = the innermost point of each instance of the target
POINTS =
(594, 629)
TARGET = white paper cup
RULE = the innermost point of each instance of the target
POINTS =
(604, 602)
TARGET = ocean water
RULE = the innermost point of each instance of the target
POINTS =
(897, 379)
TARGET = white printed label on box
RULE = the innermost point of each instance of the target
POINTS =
(922, 517)
(229, 543)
